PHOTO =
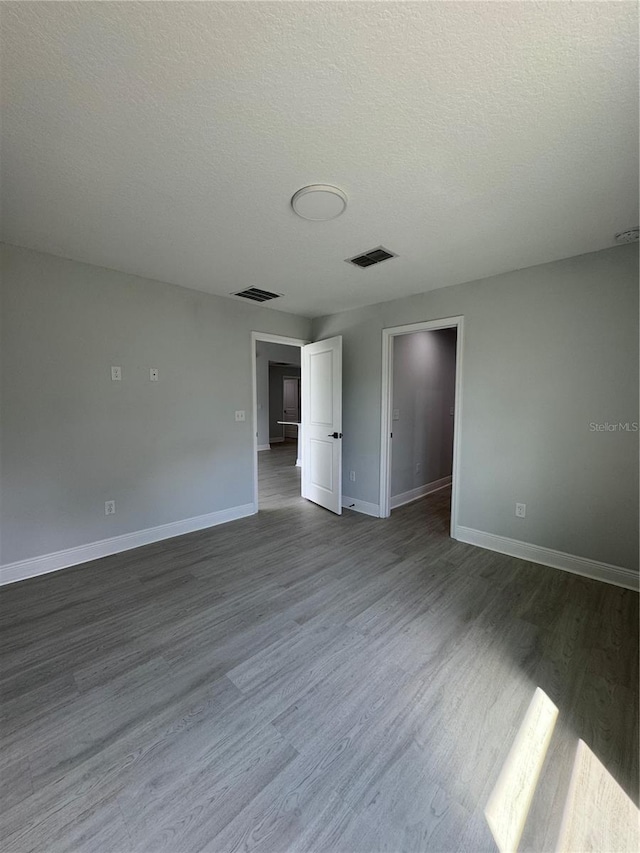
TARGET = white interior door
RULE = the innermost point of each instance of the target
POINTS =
(322, 423)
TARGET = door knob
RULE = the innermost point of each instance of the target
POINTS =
(335, 435)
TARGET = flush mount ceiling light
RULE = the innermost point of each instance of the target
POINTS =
(629, 236)
(319, 202)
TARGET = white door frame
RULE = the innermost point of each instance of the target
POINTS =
(386, 423)
(270, 339)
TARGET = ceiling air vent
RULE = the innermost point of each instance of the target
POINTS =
(257, 295)
(375, 256)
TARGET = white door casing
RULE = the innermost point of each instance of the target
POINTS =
(274, 339)
(322, 423)
(386, 420)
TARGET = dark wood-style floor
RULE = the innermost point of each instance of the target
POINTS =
(297, 681)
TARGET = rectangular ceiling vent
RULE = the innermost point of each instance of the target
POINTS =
(375, 256)
(257, 295)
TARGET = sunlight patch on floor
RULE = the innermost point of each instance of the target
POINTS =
(598, 815)
(508, 805)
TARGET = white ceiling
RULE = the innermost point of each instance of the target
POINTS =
(166, 139)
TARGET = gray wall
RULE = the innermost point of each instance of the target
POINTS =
(267, 351)
(548, 351)
(71, 438)
(424, 378)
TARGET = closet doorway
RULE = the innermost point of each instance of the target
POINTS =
(421, 413)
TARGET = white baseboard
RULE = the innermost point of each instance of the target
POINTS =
(11, 572)
(278, 440)
(361, 506)
(413, 494)
(606, 572)
(264, 447)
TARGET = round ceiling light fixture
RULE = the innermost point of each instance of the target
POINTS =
(319, 202)
(628, 236)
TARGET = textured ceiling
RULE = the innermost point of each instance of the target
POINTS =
(166, 139)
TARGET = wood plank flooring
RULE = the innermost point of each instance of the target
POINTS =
(297, 681)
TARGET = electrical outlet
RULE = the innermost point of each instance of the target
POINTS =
(240, 415)
(116, 374)
(521, 510)
(109, 507)
(153, 374)
(352, 476)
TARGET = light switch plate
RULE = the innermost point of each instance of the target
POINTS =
(396, 414)
(153, 374)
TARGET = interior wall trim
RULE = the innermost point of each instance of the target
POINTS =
(616, 575)
(361, 506)
(419, 492)
(30, 568)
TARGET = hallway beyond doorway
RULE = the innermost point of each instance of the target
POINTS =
(278, 476)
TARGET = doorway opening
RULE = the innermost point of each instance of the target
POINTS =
(276, 401)
(421, 410)
(317, 456)
(291, 408)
